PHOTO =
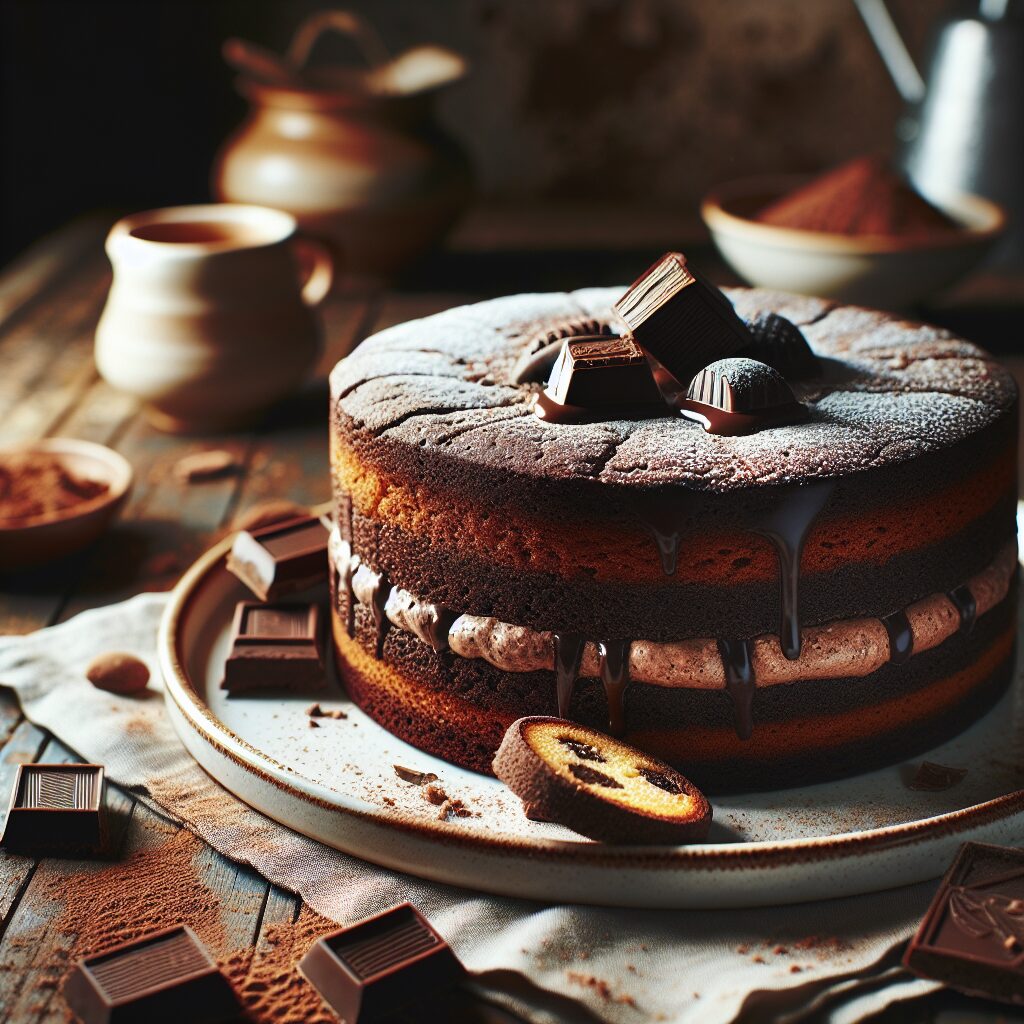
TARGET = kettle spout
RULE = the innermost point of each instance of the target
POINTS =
(892, 49)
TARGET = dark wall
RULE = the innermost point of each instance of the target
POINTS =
(122, 103)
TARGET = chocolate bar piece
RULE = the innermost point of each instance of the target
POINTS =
(281, 558)
(683, 320)
(167, 976)
(599, 371)
(275, 647)
(972, 937)
(594, 377)
(780, 343)
(381, 965)
(56, 808)
(739, 396)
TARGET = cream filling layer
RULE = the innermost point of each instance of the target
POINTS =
(848, 648)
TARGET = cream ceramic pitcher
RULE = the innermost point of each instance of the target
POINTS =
(207, 320)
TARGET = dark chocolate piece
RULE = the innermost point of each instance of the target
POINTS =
(780, 344)
(534, 365)
(683, 320)
(165, 977)
(739, 396)
(381, 965)
(972, 937)
(281, 558)
(936, 778)
(740, 684)
(593, 376)
(275, 647)
(56, 808)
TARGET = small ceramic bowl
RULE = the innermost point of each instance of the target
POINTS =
(30, 542)
(869, 270)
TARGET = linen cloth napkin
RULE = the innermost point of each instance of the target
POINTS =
(622, 966)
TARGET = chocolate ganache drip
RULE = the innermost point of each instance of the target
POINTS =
(432, 622)
(739, 683)
(568, 654)
(787, 528)
(963, 601)
(378, 602)
(614, 670)
(901, 637)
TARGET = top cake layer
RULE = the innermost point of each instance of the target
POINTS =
(901, 482)
(892, 391)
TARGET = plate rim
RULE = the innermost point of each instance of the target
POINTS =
(755, 855)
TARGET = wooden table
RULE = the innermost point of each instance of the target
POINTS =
(49, 303)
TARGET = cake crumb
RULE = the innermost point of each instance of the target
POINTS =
(453, 808)
(315, 711)
(780, 951)
(413, 775)
(312, 723)
(743, 949)
(758, 959)
(435, 794)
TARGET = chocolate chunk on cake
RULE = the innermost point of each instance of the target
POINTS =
(598, 786)
(804, 600)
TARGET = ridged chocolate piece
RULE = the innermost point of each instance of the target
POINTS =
(598, 786)
(165, 976)
(780, 344)
(602, 371)
(972, 937)
(683, 320)
(738, 396)
(275, 647)
(381, 966)
(56, 808)
(281, 558)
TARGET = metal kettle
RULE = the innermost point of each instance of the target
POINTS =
(963, 129)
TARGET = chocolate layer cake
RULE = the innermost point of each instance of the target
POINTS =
(794, 603)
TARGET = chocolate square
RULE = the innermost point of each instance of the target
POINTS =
(165, 976)
(972, 937)
(379, 966)
(602, 371)
(56, 808)
(680, 318)
(281, 558)
(274, 647)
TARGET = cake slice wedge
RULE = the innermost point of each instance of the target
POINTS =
(599, 786)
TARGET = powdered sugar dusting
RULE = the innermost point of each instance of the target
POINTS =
(893, 390)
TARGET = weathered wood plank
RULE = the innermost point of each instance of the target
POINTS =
(23, 746)
(397, 308)
(10, 716)
(41, 344)
(32, 276)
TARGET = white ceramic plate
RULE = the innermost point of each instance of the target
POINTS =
(337, 784)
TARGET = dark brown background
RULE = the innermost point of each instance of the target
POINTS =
(122, 103)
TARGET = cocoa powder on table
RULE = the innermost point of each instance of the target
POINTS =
(156, 887)
(863, 197)
(38, 485)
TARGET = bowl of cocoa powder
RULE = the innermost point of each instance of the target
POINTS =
(57, 496)
(859, 233)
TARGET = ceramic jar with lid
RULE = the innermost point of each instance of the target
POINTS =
(356, 156)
